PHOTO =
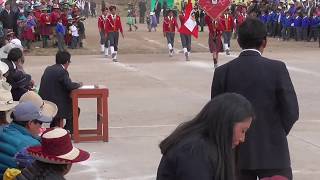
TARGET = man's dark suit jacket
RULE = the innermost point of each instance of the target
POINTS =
(56, 87)
(267, 85)
(8, 19)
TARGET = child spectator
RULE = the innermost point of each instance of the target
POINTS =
(305, 26)
(28, 33)
(82, 30)
(74, 34)
(60, 32)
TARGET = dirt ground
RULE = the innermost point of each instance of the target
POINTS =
(144, 42)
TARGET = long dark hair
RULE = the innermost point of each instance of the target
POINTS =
(215, 124)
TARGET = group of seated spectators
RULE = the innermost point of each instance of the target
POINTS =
(28, 150)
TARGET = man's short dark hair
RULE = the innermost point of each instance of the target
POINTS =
(63, 57)
(251, 33)
(15, 54)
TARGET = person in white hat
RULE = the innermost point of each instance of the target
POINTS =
(6, 100)
(22, 132)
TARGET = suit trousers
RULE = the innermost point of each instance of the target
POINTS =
(186, 41)
(113, 38)
(69, 122)
(263, 173)
(170, 38)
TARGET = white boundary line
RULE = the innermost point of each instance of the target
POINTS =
(147, 126)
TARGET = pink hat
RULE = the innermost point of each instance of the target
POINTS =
(56, 148)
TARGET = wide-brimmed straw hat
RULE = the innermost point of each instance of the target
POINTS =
(47, 108)
(4, 68)
(6, 100)
(14, 43)
(56, 148)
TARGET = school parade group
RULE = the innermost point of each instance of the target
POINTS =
(56, 24)
(293, 20)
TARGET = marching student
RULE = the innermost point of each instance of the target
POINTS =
(102, 19)
(169, 28)
(314, 23)
(227, 21)
(185, 38)
(305, 26)
(113, 27)
(286, 27)
(215, 33)
(297, 27)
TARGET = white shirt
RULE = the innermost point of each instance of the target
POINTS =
(252, 50)
(74, 31)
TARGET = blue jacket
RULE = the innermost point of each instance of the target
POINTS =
(297, 21)
(305, 22)
(287, 21)
(264, 18)
(13, 138)
(270, 17)
(60, 29)
(315, 22)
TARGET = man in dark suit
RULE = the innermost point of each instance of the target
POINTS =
(56, 87)
(267, 85)
(8, 19)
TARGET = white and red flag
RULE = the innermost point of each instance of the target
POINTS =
(190, 26)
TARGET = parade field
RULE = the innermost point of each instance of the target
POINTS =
(151, 93)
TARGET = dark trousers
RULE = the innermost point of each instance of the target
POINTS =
(60, 39)
(313, 33)
(263, 173)
(227, 37)
(286, 33)
(277, 30)
(141, 19)
(69, 122)
(186, 41)
(93, 13)
(170, 38)
(27, 43)
(158, 17)
(305, 34)
(297, 33)
(114, 39)
(45, 41)
(74, 43)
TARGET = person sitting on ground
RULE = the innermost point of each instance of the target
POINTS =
(22, 132)
(53, 158)
(6, 100)
(56, 87)
(203, 147)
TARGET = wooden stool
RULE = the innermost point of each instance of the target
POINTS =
(102, 131)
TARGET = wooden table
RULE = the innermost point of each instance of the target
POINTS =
(102, 132)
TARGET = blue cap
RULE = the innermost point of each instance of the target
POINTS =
(27, 111)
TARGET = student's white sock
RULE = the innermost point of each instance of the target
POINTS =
(170, 46)
(102, 48)
(185, 50)
(112, 49)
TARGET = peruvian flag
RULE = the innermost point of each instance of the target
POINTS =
(190, 26)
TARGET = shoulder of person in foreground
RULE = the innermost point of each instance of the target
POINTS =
(192, 159)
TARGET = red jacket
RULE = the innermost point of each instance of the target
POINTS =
(182, 19)
(37, 14)
(227, 21)
(54, 17)
(170, 24)
(113, 25)
(214, 28)
(241, 19)
(102, 23)
(45, 19)
(64, 19)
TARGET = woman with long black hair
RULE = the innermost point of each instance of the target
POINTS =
(202, 149)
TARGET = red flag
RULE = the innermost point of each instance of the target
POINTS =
(214, 8)
(190, 26)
